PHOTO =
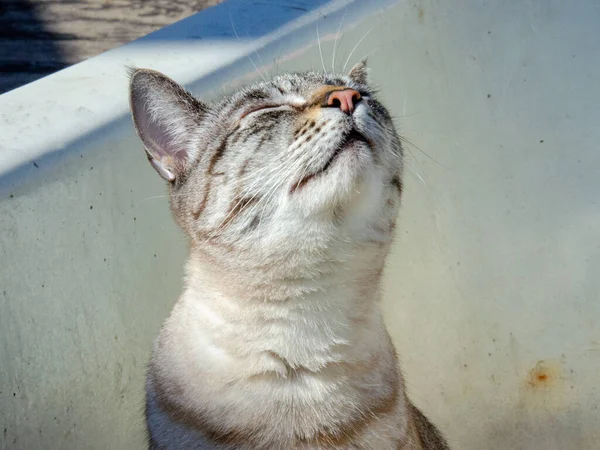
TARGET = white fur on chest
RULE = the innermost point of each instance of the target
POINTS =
(280, 366)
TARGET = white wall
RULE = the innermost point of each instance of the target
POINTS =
(492, 288)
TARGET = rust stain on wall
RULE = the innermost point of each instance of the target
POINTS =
(544, 387)
(544, 375)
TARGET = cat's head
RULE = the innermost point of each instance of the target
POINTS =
(273, 161)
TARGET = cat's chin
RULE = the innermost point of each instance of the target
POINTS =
(347, 153)
(341, 182)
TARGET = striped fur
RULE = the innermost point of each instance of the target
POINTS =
(277, 340)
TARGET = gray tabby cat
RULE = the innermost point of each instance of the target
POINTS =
(288, 192)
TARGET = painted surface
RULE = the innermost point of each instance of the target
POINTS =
(491, 293)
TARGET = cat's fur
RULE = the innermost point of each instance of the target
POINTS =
(277, 340)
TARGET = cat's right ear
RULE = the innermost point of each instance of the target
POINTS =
(165, 117)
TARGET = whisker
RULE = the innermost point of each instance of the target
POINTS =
(291, 168)
(408, 142)
(258, 179)
(320, 49)
(155, 197)
(432, 197)
(276, 186)
(248, 56)
(256, 52)
(336, 40)
(285, 175)
(369, 54)
(409, 115)
(310, 160)
(354, 49)
(413, 171)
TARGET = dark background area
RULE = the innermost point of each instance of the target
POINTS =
(39, 37)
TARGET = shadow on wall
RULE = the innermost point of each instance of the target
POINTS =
(28, 50)
(38, 38)
(226, 19)
(231, 20)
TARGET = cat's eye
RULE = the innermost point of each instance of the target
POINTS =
(265, 108)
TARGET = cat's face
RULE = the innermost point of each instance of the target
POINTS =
(275, 159)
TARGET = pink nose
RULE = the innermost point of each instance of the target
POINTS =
(344, 99)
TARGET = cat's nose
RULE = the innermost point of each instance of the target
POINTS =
(345, 99)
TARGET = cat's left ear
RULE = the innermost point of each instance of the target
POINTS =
(360, 73)
(165, 117)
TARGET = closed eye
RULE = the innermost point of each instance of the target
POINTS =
(265, 108)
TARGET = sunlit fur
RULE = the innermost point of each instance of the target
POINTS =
(277, 340)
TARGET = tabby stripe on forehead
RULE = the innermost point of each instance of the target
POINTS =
(244, 136)
(267, 137)
(216, 157)
(203, 203)
(244, 167)
(263, 126)
(256, 95)
(211, 167)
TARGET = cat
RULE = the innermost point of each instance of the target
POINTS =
(288, 192)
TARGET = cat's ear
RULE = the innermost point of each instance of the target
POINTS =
(360, 73)
(165, 116)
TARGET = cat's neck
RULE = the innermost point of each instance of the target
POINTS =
(295, 314)
(310, 356)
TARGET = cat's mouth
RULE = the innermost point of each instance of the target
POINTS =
(348, 142)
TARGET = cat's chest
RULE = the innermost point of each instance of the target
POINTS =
(277, 339)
